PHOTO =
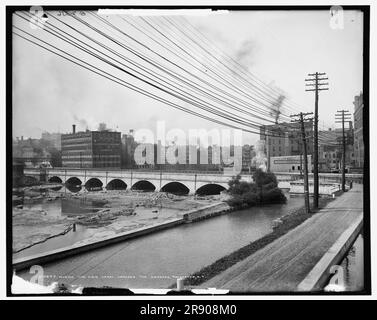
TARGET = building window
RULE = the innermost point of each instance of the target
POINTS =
(293, 168)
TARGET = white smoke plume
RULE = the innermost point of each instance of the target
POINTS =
(260, 159)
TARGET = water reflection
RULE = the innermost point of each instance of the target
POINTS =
(88, 188)
(351, 274)
(353, 266)
(62, 207)
(56, 188)
(70, 207)
(73, 188)
(155, 258)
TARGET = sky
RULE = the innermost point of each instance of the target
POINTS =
(279, 47)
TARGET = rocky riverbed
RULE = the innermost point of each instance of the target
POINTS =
(112, 212)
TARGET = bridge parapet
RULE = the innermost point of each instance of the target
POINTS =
(140, 175)
(192, 180)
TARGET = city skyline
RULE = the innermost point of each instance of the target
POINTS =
(66, 94)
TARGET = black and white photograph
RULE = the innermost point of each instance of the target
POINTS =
(209, 151)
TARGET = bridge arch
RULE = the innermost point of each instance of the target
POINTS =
(144, 185)
(175, 187)
(74, 181)
(210, 189)
(55, 179)
(93, 184)
(116, 184)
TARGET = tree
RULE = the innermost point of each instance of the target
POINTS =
(262, 178)
(264, 189)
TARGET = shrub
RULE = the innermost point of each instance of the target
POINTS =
(236, 201)
(250, 198)
(264, 178)
(274, 195)
(263, 190)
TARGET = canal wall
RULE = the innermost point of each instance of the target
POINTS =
(189, 216)
(206, 212)
(319, 275)
(22, 263)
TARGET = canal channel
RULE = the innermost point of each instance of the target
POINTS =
(157, 260)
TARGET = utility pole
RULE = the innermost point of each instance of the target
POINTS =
(306, 173)
(300, 151)
(340, 117)
(268, 153)
(315, 84)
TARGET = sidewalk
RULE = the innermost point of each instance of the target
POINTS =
(283, 264)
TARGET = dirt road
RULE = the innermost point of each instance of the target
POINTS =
(283, 264)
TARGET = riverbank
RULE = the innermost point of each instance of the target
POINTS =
(288, 222)
(34, 226)
(185, 248)
(46, 214)
(99, 240)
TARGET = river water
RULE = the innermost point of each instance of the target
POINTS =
(157, 259)
(351, 276)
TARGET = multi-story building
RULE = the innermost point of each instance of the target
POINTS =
(290, 164)
(91, 149)
(32, 151)
(212, 158)
(358, 132)
(128, 150)
(248, 154)
(284, 139)
(53, 138)
(330, 149)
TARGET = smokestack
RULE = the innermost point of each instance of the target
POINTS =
(73, 128)
(22, 138)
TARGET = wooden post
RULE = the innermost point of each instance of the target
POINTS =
(304, 144)
(306, 179)
(340, 117)
(268, 154)
(316, 86)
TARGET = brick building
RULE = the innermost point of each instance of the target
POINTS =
(91, 149)
(358, 132)
(284, 139)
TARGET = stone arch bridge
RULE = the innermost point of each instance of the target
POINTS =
(187, 182)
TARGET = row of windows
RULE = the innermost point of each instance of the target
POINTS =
(77, 156)
(76, 139)
(105, 157)
(76, 145)
(78, 151)
(78, 163)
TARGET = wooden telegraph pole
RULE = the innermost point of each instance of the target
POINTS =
(303, 137)
(340, 117)
(315, 84)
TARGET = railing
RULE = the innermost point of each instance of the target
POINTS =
(141, 170)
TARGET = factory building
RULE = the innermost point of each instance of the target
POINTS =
(91, 149)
